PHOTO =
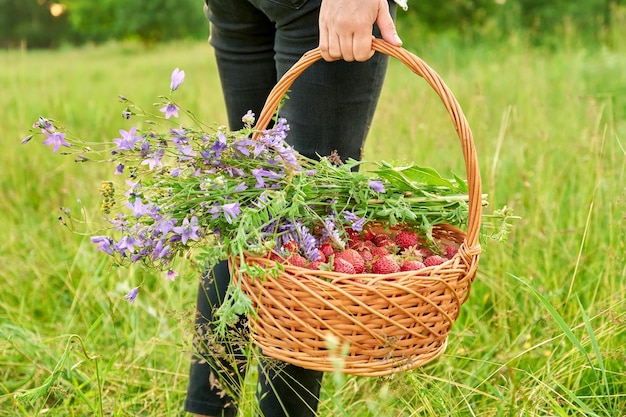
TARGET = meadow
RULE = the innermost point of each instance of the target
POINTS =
(543, 333)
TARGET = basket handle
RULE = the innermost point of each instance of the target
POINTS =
(420, 68)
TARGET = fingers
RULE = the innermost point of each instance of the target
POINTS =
(388, 28)
(346, 28)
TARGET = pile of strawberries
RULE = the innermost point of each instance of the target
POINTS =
(375, 250)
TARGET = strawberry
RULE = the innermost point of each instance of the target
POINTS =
(406, 239)
(450, 251)
(357, 244)
(368, 235)
(343, 266)
(426, 252)
(379, 252)
(412, 266)
(380, 238)
(320, 256)
(366, 255)
(276, 257)
(385, 265)
(354, 258)
(434, 260)
(314, 265)
(296, 260)
(327, 249)
(291, 247)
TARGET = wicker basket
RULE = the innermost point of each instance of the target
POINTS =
(385, 323)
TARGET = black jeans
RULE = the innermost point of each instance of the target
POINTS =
(330, 107)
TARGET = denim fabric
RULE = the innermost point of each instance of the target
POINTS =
(330, 107)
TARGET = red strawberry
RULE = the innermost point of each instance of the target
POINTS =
(341, 265)
(385, 265)
(379, 238)
(357, 244)
(406, 239)
(450, 251)
(366, 255)
(296, 260)
(390, 245)
(379, 252)
(368, 235)
(434, 260)
(426, 252)
(327, 249)
(354, 258)
(314, 265)
(291, 247)
(412, 266)
(276, 257)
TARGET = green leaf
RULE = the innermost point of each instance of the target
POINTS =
(414, 178)
(461, 184)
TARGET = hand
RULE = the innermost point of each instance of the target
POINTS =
(346, 28)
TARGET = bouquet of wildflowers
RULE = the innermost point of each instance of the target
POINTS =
(214, 193)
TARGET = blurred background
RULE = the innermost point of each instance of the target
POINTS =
(55, 24)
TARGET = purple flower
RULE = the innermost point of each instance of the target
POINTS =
(261, 173)
(188, 230)
(330, 232)
(44, 124)
(165, 226)
(307, 242)
(56, 139)
(231, 211)
(242, 146)
(132, 294)
(215, 211)
(178, 77)
(119, 170)
(171, 274)
(248, 118)
(241, 187)
(154, 160)
(104, 243)
(160, 251)
(139, 209)
(186, 151)
(357, 222)
(126, 243)
(377, 186)
(179, 136)
(128, 140)
(132, 188)
(170, 110)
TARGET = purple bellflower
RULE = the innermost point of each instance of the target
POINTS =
(377, 186)
(56, 139)
(170, 274)
(139, 208)
(357, 222)
(128, 140)
(132, 294)
(188, 230)
(170, 110)
(178, 77)
(231, 211)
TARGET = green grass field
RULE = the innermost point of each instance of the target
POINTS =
(543, 333)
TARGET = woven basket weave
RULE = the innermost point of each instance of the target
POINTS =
(385, 323)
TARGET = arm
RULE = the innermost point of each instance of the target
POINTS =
(346, 28)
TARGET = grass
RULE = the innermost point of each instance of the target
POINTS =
(543, 334)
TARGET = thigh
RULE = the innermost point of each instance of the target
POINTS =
(243, 40)
(331, 105)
